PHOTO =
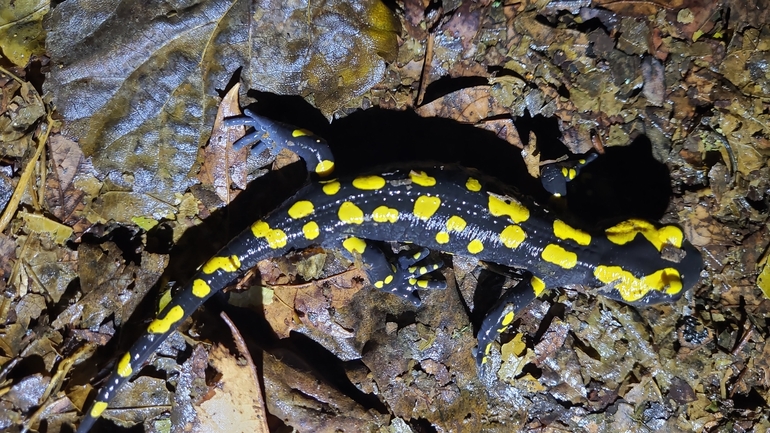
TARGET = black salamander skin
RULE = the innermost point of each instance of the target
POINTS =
(444, 209)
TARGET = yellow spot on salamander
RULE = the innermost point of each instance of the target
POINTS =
(514, 210)
(369, 183)
(557, 255)
(512, 236)
(162, 325)
(632, 288)
(569, 174)
(124, 366)
(475, 246)
(98, 408)
(627, 230)
(301, 133)
(538, 285)
(226, 264)
(324, 168)
(350, 213)
(200, 288)
(301, 209)
(259, 229)
(455, 224)
(425, 207)
(330, 188)
(384, 214)
(354, 245)
(381, 284)
(276, 238)
(564, 231)
(311, 230)
(507, 319)
(421, 178)
(473, 185)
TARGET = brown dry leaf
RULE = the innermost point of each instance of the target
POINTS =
(312, 304)
(26, 393)
(45, 266)
(743, 13)
(221, 166)
(504, 129)
(7, 254)
(303, 401)
(64, 198)
(191, 386)
(531, 156)
(111, 286)
(641, 9)
(40, 224)
(470, 105)
(143, 398)
(22, 111)
(746, 62)
(235, 404)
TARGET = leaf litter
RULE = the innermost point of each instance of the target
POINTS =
(137, 109)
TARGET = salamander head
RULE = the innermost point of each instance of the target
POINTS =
(644, 264)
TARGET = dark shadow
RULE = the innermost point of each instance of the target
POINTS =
(624, 182)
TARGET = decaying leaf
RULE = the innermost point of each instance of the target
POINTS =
(221, 166)
(137, 82)
(21, 29)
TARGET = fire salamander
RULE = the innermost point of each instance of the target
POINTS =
(451, 210)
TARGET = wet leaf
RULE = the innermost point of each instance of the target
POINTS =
(304, 402)
(136, 83)
(143, 398)
(40, 224)
(27, 392)
(22, 109)
(21, 29)
(111, 286)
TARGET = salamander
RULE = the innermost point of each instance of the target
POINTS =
(452, 210)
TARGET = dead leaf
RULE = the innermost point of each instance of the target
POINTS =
(21, 29)
(136, 82)
(222, 166)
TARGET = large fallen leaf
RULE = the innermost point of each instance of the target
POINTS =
(137, 82)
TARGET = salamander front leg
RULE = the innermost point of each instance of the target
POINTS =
(555, 176)
(275, 136)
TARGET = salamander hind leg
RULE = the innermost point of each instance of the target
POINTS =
(502, 315)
